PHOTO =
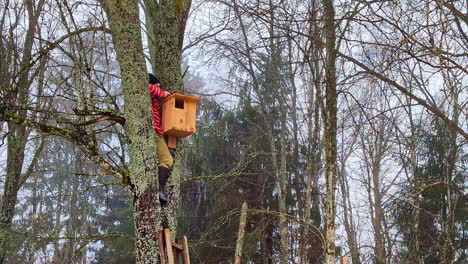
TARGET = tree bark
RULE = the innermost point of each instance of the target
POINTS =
(143, 177)
(240, 235)
(166, 20)
(330, 129)
(165, 27)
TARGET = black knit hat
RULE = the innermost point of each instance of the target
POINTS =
(153, 79)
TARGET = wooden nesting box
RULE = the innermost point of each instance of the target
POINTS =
(179, 116)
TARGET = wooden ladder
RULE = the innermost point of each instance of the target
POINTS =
(172, 252)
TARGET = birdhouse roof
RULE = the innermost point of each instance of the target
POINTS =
(185, 97)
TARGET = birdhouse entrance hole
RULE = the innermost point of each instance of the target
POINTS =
(179, 103)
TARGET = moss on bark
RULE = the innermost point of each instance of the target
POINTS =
(138, 126)
(166, 20)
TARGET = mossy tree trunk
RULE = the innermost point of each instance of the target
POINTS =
(142, 177)
(330, 130)
(165, 26)
(165, 22)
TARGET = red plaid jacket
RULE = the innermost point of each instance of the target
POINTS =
(156, 94)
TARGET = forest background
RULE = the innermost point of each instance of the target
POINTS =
(342, 124)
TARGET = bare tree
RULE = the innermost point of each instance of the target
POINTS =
(15, 93)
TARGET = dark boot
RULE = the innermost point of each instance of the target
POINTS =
(164, 174)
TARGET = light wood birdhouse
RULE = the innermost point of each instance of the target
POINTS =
(179, 116)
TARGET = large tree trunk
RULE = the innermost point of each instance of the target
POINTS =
(165, 27)
(143, 178)
(330, 129)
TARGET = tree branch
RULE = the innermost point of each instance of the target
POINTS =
(84, 141)
(52, 45)
(31, 166)
(405, 91)
(455, 11)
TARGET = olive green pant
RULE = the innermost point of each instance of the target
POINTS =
(164, 156)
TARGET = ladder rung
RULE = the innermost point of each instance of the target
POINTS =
(170, 249)
(179, 247)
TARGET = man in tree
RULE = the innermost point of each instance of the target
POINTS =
(165, 157)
